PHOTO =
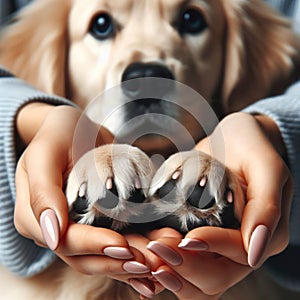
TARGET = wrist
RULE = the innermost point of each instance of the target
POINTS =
(29, 119)
(272, 132)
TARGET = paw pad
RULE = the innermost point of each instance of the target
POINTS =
(111, 199)
(199, 200)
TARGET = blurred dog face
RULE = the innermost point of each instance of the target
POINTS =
(173, 39)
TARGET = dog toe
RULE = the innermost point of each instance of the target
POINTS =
(106, 184)
(195, 190)
(196, 200)
(168, 190)
(111, 198)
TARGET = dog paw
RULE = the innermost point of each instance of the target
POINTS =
(105, 185)
(192, 189)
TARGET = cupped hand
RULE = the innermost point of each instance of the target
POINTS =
(209, 260)
(201, 266)
(41, 211)
(254, 151)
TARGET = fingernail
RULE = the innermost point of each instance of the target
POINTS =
(168, 255)
(135, 267)
(50, 228)
(193, 244)
(168, 280)
(258, 243)
(143, 287)
(118, 252)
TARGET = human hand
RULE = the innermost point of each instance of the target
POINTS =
(41, 211)
(203, 265)
(253, 147)
(254, 151)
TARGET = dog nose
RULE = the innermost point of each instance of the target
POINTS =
(140, 88)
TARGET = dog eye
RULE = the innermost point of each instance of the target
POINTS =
(102, 27)
(192, 22)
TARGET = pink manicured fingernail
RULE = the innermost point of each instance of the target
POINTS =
(50, 228)
(135, 267)
(118, 252)
(166, 253)
(258, 243)
(168, 280)
(143, 287)
(193, 244)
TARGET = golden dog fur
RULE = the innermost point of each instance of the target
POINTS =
(248, 52)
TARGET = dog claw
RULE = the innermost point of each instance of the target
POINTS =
(82, 190)
(137, 184)
(229, 196)
(109, 184)
(203, 182)
(176, 175)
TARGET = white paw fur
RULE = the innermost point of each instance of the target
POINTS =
(92, 177)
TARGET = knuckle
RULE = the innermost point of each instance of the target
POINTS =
(274, 210)
(36, 196)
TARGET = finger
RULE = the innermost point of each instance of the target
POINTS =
(140, 242)
(182, 288)
(220, 272)
(82, 239)
(225, 242)
(94, 265)
(263, 208)
(102, 264)
(82, 248)
(145, 287)
(45, 179)
(280, 238)
(25, 221)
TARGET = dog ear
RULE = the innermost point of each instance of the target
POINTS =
(261, 53)
(33, 47)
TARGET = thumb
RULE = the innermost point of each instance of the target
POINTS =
(52, 214)
(47, 200)
(265, 210)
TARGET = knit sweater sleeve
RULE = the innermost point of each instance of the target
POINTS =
(20, 255)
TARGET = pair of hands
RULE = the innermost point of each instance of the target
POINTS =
(209, 259)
